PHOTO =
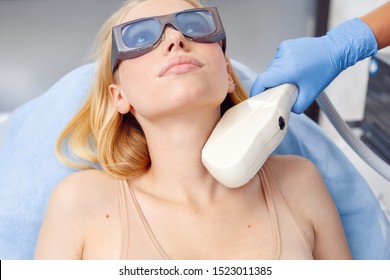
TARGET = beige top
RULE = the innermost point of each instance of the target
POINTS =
(139, 242)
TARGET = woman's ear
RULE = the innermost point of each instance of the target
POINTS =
(231, 83)
(121, 103)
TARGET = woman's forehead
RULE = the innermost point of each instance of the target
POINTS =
(156, 8)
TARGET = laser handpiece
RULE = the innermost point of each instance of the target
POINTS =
(247, 134)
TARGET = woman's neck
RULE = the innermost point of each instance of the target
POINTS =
(175, 146)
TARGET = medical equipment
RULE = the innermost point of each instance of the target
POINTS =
(359, 146)
(350, 137)
(375, 126)
(247, 134)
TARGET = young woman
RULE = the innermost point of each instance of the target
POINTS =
(162, 83)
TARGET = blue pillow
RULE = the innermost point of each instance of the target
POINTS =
(29, 170)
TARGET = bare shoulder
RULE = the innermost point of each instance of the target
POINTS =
(84, 188)
(85, 182)
(299, 181)
(293, 162)
(76, 207)
(307, 196)
(86, 195)
(85, 178)
(296, 173)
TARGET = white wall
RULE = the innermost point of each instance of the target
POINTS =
(41, 40)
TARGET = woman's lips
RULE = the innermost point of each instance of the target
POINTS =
(179, 65)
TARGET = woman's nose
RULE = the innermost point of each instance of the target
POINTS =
(174, 40)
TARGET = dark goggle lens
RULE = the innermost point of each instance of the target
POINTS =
(142, 33)
(194, 24)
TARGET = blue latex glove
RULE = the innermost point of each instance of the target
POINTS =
(313, 62)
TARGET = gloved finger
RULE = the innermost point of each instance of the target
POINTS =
(304, 100)
(257, 86)
(299, 106)
(270, 78)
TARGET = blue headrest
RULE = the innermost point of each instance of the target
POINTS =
(29, 170)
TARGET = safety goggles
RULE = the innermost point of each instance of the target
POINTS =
(138, 37)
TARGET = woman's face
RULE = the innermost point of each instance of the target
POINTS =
(177, 76)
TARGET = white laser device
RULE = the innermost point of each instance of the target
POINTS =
(247, 134)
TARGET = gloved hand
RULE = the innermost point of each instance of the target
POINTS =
(313, 62)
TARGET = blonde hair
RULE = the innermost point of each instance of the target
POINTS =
(100, 137)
